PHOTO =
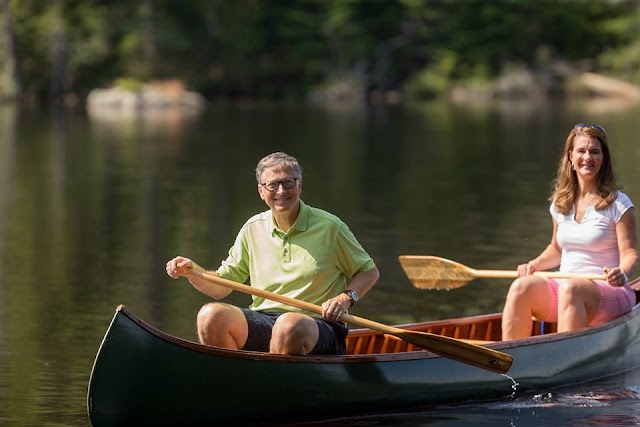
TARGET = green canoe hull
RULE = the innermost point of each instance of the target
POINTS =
(143, 376)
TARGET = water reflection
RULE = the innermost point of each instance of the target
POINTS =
(7, 171)
(580, 407)
(90, 210)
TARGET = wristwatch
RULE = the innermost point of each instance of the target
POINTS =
(353, 295)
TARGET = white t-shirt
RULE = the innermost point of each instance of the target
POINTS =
(589, 246)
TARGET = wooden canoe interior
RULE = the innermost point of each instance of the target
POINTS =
(478, 330)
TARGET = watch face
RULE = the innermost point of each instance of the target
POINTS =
(353, 295)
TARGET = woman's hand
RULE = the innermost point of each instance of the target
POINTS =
(616, 277)
(526, 269)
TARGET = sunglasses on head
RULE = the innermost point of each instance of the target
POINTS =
(590, 125)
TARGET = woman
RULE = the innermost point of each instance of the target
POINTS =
(594, 231)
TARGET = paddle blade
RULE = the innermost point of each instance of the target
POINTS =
(460, 351)
(430, 272)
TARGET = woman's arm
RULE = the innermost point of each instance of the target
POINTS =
(548, 258)
(627, 232)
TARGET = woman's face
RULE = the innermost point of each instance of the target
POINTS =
(586, 157)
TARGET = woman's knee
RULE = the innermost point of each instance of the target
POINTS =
(578, 290)
(531, 293)
(522, 287)
(571, 288)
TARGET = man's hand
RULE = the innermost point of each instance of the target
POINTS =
(336, 307)
(179, 266)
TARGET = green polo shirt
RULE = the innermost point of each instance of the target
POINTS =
(311, 262)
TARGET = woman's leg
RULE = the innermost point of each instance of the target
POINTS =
(528, 296)
(614, 302)
(578, 301)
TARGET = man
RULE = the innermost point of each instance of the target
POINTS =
(292, 249)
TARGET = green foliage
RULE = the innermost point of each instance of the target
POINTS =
(623, 63)
(285, 48)
(434, 80)
(622, 60)
(128, 83)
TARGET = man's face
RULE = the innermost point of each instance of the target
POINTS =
(280, 198)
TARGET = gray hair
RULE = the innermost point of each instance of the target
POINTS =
(278, 161)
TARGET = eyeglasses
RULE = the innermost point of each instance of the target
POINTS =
(590, 125)
(274, 185)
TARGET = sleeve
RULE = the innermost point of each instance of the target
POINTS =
(236, 266)
(555, 215)
(351, 256)
(621, 205)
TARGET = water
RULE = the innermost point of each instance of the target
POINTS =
(91, 208)
(611, 402)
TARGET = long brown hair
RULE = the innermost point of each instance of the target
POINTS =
(565, 187)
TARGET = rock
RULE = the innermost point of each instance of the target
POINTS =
(154, 95)
(600, 85)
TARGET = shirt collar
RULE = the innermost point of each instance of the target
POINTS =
(301, 223)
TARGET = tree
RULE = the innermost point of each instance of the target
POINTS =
(10, 87)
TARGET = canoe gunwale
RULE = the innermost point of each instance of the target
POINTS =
(379, 357)
(255, 355)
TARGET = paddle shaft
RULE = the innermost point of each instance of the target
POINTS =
(294, 302)
(432, 272)
(549, 274)
(471, 354)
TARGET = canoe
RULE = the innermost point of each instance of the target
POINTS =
(144, 376)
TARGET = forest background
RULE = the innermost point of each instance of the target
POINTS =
(315, 49)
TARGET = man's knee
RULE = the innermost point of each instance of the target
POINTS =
(294, 333)
(221, 325)
(207, 312)
(214, 314)
(292, 325)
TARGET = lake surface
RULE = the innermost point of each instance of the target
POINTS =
(92, 207)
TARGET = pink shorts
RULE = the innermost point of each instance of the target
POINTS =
(614, 302)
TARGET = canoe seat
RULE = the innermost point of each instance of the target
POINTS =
(540, 327)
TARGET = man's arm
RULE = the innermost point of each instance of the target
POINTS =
(363, 281)
(334, 308)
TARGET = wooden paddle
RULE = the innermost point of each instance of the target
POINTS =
(431, 272)
(450, 348)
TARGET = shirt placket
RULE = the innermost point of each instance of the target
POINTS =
(286, 248)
